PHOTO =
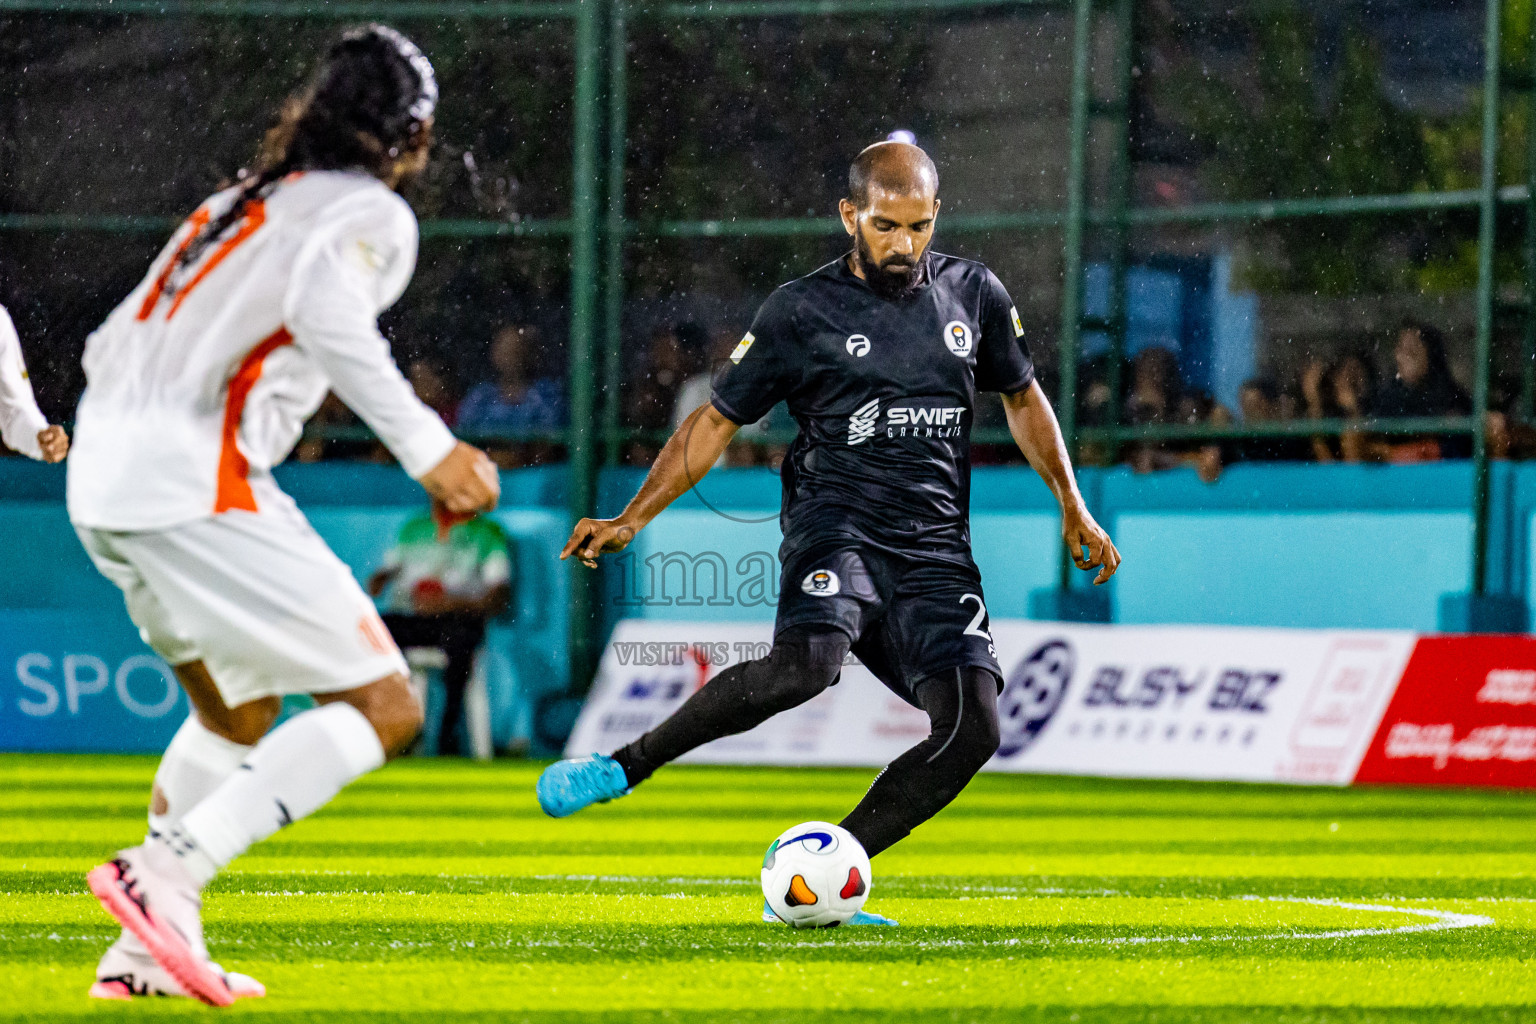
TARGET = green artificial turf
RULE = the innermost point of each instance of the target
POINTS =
(438, 893)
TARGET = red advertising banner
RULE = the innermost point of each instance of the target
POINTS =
(1464, 715)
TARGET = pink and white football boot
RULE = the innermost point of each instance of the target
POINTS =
(150, 893)
(127, 971)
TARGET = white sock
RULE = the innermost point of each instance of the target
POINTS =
(292, 773)
(193, 766)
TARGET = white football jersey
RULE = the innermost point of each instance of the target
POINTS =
(20, 420)
(197, 385)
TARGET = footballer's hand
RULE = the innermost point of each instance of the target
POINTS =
(465, 481)
(54, 443)
(1080, 531)
(593, 537)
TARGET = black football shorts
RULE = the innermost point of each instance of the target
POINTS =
(909, 615)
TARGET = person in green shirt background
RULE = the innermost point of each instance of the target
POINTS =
(443, 579)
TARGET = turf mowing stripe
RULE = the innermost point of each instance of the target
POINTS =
(995, 989)
(1036, 832)
(668, 862)
(244, 879)
(412, 847)
(1117, 1014)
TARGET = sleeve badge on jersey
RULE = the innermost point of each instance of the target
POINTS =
(1018, 325)
(741, 349)
(372, 258)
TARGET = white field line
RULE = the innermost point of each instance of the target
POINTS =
(652, 879)
(993, 891)
(1440, 920)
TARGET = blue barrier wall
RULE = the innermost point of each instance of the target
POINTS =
(65, 639)
(1351, 546)
(1276, 545)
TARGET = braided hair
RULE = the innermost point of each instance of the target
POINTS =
(371, 100)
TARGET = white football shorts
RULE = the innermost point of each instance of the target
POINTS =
(258, 597)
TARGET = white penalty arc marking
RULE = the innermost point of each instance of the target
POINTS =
(1436, 920)
(1439, 921)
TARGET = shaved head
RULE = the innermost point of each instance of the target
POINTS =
(894, 167)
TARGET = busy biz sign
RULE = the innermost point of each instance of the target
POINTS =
(1192, 702)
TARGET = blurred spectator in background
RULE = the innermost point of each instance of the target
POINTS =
(429, 379)
(441, 582)
(515, 400)
(1352, 384)
(320, 440)
(1423, 386)
(1155, 387)
(651, 395)
(1093, 410)
(1510, 435)
(1154, 398)
(1196, 408)
(1344, 389)
(1260, 402)
(696, 389)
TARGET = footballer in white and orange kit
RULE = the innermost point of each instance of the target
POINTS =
(197, 385)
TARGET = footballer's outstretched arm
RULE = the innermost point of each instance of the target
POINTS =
(696, 446)
(351, 272)
(21, 423)
(1033, 425)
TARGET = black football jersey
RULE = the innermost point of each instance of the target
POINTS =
(884, 392)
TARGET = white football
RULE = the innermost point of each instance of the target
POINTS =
(816, 875)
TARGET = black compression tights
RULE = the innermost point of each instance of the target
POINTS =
(961, 705)
(962, 712)
(801, 664)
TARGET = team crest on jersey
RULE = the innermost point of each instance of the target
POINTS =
(957, 335)
(741, 349)
(1018, 325)
(858, 345)
(821, 583)
(861, 425)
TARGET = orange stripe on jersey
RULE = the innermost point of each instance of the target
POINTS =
(234, 489)
(255, 216)
(375, 634)
(195, 223)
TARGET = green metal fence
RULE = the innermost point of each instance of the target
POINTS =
(598, 225)
(581, 226)
(1077, 217)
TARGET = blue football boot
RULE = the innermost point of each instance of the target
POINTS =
(861, 917)
(567, 786)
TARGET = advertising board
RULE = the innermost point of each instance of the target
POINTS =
(1183, 702)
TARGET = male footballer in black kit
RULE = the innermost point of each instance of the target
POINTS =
(880, 356)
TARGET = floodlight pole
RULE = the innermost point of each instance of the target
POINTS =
(584, 236)
(1072, 246)
(613, 256)
(1528, 334)
(1120, 201)
(1487, 228)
